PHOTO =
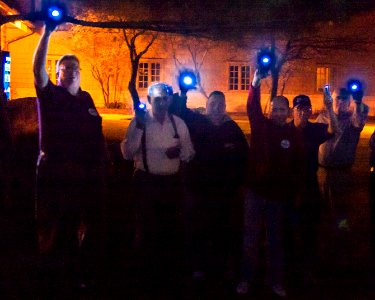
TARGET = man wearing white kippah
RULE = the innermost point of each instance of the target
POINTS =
(159, 143)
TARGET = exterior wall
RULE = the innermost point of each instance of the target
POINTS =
(214, 72)
(22, 79)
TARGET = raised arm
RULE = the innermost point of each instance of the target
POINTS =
(254, 109)
(131, 145)
(333, 126)
(40, 55)
(361, 111)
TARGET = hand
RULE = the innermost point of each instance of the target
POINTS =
(328, 100)
(362, 108)
(50, 26)
(140, 115)
(357, 96)
(183, 90)
(258, 76)
(173, 152)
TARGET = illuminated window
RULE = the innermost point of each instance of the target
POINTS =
(148, 72)
(143, 75)
(245, 77)
(155, 72)
(51, 69)
(239, 77)
(323, 76)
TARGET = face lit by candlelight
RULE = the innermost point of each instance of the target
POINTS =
(279, 110)
(68, 73)
(216, 107)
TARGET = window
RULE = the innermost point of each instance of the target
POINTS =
(239, 77)
(323, 76)
(245, 77)
(148, 72)
(51, 69)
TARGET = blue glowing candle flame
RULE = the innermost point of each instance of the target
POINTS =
(188, 80)
(55, 13)
(266, 60)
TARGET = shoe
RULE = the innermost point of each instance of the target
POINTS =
(309, 280)
(198, 276)
(82, 285)
(242, 288)
(343, 224)
(279, 290)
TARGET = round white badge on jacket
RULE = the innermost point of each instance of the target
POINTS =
(93, 112)
(285, 144)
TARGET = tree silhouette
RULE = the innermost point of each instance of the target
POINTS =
(197, 50)
(138, 42)
(105, 50)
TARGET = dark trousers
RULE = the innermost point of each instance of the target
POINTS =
(214, 229)
(259, 214)
(303, 218)
(337, 187)
(70, 223)
(158, 202)
(372, 215)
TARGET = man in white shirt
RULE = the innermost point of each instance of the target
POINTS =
(167, 138)
(159, 143)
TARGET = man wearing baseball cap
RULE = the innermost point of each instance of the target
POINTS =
(307, 207)
(158, 143)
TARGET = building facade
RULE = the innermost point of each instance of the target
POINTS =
(222, 66)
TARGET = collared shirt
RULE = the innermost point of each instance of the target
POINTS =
(313, 134)
(340, 150)
(70, 128)
(159, 137)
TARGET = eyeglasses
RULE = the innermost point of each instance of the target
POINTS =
(69, 68)
(161, 99)
(302, 110)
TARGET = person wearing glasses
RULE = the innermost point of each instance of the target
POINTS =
(72, 156)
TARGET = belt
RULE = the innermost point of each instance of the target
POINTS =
(44, 157)
(144, 173)
(346, 167)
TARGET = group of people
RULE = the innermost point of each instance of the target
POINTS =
(204, 199)
(276, 177)
(284, 194)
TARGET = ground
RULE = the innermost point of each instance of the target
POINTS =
(346, 269)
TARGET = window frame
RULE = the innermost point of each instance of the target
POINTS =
(153, 74)
(51, 63)
(241, 82)
(325, 76)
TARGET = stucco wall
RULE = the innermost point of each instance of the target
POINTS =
(214, 72)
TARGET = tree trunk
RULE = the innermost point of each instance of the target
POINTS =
(133, 82)
(275, 73)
